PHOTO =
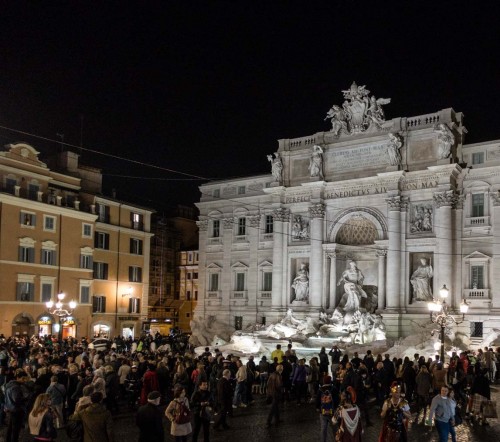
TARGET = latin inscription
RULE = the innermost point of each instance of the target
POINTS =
(298, 199)
(366, 156)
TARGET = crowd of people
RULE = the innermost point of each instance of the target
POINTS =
(48, 386)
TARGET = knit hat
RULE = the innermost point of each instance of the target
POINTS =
(154, 395)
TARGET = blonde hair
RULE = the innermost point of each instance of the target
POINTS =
(41, 404)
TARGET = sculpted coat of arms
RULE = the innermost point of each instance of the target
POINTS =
(358, 113)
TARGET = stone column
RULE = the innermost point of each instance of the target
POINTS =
(381, 278)
(227, 283)
(279, 215)
(332, 303)
(202, 264)
(253, 235)
(402, 255)
(393, 253)
(316, 214)
(443, 270)
(495, 261)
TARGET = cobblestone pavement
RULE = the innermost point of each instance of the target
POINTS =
(299, 423)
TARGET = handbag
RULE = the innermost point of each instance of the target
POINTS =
(183, 416)
(490, 409)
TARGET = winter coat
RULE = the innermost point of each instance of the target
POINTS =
(97, 423)
(424, 382)
(170, 412)
(149, 419)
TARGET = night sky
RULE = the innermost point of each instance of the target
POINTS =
(207, 87)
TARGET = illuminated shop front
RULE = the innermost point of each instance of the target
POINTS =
(101, 330)
(68, 327)
(45, 324)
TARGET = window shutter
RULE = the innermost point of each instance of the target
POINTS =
(105, 271)
(19, 290)
(132, 245)
(31, 291)
(139, 274)
(94, 304)
(31, 254)
(130, 274)
(91, 262)
(33, 219)
(21, 218)
(20, 258)
(106, 241)
(96, 242)
(131, 305)
(103, 304)
(140, 247)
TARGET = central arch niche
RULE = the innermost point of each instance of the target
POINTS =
(358, 227)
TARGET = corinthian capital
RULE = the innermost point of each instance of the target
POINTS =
(447, 198)
(495, 198)
(281, 215)
(394, 203)
(317, 210)
(202, 225)
(228, 223)
(254, 220)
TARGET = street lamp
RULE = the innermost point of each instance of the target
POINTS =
(57, 309)
(440, 315)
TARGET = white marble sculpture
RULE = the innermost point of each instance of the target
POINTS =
(421, 281)
(276, 167)
(446, 139)
(394, 149)
(358, 113)
(316, 162)
(300, 284)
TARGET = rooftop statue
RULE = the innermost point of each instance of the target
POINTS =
(446, 139)
(359, 112)
(316, 162)
(276, 167)
(394, 149)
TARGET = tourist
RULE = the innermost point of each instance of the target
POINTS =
(335, 354)
(175, 411)
(149, 383)
(263, 374)
(278, 353)
(57, 394)
(240, 393)
(423, 383)
(274, 392)
(17, 397)
(149, 419)
(443, 413)
(41, 419)
(323, 363)
(326, 404)
(201, 405)
(480, 393)
(224, 398)
(299, 381)
(97, 420)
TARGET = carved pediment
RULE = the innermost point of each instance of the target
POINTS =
(214, 266)
(239, 265)
(477, 256)
(266, 264)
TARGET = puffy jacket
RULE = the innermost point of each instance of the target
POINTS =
(16, 396)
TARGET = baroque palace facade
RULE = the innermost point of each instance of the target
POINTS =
(58, 233)
(403, 202)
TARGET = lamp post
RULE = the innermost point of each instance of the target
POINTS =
(440, 315)
(57, 309)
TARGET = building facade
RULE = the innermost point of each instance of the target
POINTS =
(402, 204)
(58, 234)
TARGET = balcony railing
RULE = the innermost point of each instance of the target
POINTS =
(213, 294)
(476, 293)
(265, 295)
(477, 221)
(239, 295)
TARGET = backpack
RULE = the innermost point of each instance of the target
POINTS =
(326, 407)
(182, 413)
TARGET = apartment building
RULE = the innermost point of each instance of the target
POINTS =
(59, 234)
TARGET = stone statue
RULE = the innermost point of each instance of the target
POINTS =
(276, 167)
(353, 275)
(316, 162)
(446, 139)
(301, 284)
(394, 149)
(338, 119)
(421, 281)
(375, 114)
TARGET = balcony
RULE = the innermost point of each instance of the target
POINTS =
(265, 295)
(476, 293)
(240, 239)
(239, 295)
(477, 221)
(267, 237)
(214, 241)
(214, 298)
